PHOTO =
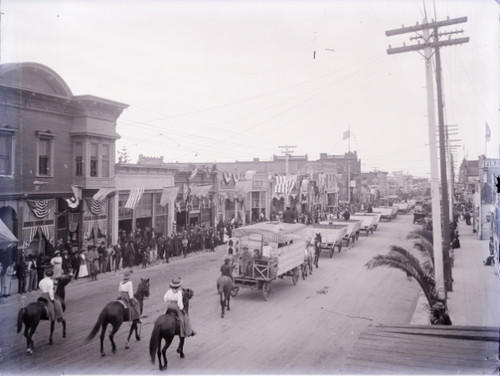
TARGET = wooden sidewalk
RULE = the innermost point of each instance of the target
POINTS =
(425, 350)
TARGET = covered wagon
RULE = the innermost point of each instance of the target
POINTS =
(266, 251)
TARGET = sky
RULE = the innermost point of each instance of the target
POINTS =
(220, 81)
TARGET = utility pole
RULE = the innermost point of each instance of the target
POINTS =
(436, 44)
(287, 156)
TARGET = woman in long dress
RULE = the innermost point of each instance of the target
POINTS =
(83, 272)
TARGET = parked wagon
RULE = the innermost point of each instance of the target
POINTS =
(387, 213)
(368, 223)
(419, 217)
(353, 228)
(375, 215)
(266, 251)
(332, 235)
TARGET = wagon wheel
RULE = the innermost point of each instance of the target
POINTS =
(266, 290)
(295, 276)
(234, 291)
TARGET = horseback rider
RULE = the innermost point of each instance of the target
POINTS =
(46, 285)
(126, 290)
(227, 268)
(173, 298)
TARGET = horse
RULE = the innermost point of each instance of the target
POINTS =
(224, 288)
(36, 311)
(114, 313)
(166, 327)
(307, 266)
(317, 248)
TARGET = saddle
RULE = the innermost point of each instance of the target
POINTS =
(126, 316)
(173, 312)
(45, 304)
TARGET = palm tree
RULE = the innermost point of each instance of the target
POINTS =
(400, 258)
(422, 270)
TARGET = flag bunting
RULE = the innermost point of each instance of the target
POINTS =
(40, 208)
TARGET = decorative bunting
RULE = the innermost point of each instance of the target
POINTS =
(94, 205)
(40, 208)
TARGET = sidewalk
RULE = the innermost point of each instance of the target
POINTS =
(15, 296)
(475, 298)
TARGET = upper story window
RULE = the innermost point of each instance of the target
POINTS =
(94, 159)
(6, 152)
(45, 153)
(79, 159)
(105, 160)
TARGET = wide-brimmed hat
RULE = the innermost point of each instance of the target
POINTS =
(175, 283)
(127, 274)
(227, 258)
(56, 253)
(49, 272)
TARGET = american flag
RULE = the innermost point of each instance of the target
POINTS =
(134, 197)
(285, 184)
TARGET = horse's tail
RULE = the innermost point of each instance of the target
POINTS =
(154, 342)
(20, 316)
(98, 324)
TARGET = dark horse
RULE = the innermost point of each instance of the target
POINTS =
(114, 313)
(317, 248)
(36, 311)
(166, 327)
(224, 287)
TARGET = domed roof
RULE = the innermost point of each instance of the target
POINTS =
(35, 77)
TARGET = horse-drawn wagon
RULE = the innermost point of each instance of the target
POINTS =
(331, 235)
(374, 215)
(368, 223)
(352, 230)
(266, 251)
(387, 213)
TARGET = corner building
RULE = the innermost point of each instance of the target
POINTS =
(56, 151)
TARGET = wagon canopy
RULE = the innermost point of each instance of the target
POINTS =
(273, 232)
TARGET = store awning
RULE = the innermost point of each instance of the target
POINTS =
(6, 236)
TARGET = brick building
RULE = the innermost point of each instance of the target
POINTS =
(53, 146)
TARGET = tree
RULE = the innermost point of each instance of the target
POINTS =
(123, 156)
(422, 270)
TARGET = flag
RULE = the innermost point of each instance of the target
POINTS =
(193, 174)
(77, 192)
(77, 196)
(134, 197)
(346, 134)
(168, 195)
(102, 193)
(488, 133)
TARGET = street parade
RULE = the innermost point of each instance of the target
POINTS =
(234, 188)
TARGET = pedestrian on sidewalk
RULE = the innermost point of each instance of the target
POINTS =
(21, 269)
(7, 279)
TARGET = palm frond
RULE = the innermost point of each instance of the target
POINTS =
(426, 234)
(402, 259)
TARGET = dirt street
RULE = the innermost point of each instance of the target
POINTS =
(309, 328)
